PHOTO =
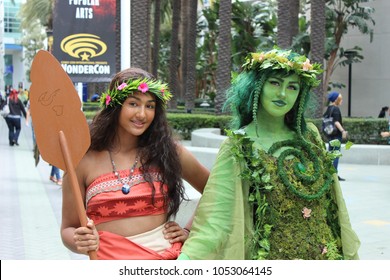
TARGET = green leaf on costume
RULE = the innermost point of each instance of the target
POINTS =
(335, 154)
(262, 254)
(267, 230)
(335, 143)
(348, 145)
(264, 243)
(266, 178)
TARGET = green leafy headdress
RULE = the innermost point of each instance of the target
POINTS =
(120, 93)
(285, 60)
(243, 96)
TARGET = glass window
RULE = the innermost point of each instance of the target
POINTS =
(11, 20)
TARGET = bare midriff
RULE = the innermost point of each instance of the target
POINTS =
(133, 225)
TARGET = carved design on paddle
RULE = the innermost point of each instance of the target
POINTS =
(47, 98)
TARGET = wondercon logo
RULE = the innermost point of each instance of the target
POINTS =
(83, 46)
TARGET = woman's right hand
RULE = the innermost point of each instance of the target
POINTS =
(86, 238)
(344, 134)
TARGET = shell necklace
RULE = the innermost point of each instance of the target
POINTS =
(125, 187)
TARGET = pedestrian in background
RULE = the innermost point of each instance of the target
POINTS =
(23, 96)
(383, 112)
(55, 175)
(8, 89)
(335, 100)
(13, 120)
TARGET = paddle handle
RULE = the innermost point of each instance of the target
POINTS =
(75, 186)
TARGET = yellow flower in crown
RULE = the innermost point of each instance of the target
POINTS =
(258, 56)
(286, 60)
(119, 94)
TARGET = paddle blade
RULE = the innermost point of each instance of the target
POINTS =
(55, 106)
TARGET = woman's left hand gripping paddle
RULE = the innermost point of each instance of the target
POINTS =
(60, 127)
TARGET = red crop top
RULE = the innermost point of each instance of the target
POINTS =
(106, 202)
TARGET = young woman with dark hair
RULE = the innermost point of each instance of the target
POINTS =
(132, 176)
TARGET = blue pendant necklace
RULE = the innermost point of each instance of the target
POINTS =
(125, 187)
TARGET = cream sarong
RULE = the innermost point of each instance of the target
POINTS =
(153, 239)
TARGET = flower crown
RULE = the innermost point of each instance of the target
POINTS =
(284, 59)
(122, 91)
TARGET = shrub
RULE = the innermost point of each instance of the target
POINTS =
(360, 130)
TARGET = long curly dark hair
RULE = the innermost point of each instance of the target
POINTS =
(157, 148)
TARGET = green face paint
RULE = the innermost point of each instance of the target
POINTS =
(279, 94)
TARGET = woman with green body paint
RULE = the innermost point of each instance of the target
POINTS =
(273, 192)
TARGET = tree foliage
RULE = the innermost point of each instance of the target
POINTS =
(254, 27)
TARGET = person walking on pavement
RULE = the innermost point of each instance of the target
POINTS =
(13, 120)
(335, 100)
(55, 175)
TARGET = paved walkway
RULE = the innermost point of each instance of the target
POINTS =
(30, 205)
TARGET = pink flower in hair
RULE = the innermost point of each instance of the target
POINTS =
(108, 100)
(143, 87)
(122, 86)
(306, 213)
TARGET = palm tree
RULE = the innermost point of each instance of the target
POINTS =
(294, 17)
(288, 11)
(284, 24)
(34, 15)
(97, 86)
(184, 46)
(32, 40)
(140, 34)
(317, 43)
(41, 10)
(224, 53)
(189, 50)
(156, 36)
(253, 27)
(174, 57)
(342, 14)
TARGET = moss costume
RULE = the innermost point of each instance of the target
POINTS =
(247, 211)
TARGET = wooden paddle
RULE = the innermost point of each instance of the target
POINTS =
(60, 127)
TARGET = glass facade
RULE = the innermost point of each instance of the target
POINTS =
(11, 20)
(13, 50)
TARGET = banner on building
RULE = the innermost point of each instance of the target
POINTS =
(84, 38)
